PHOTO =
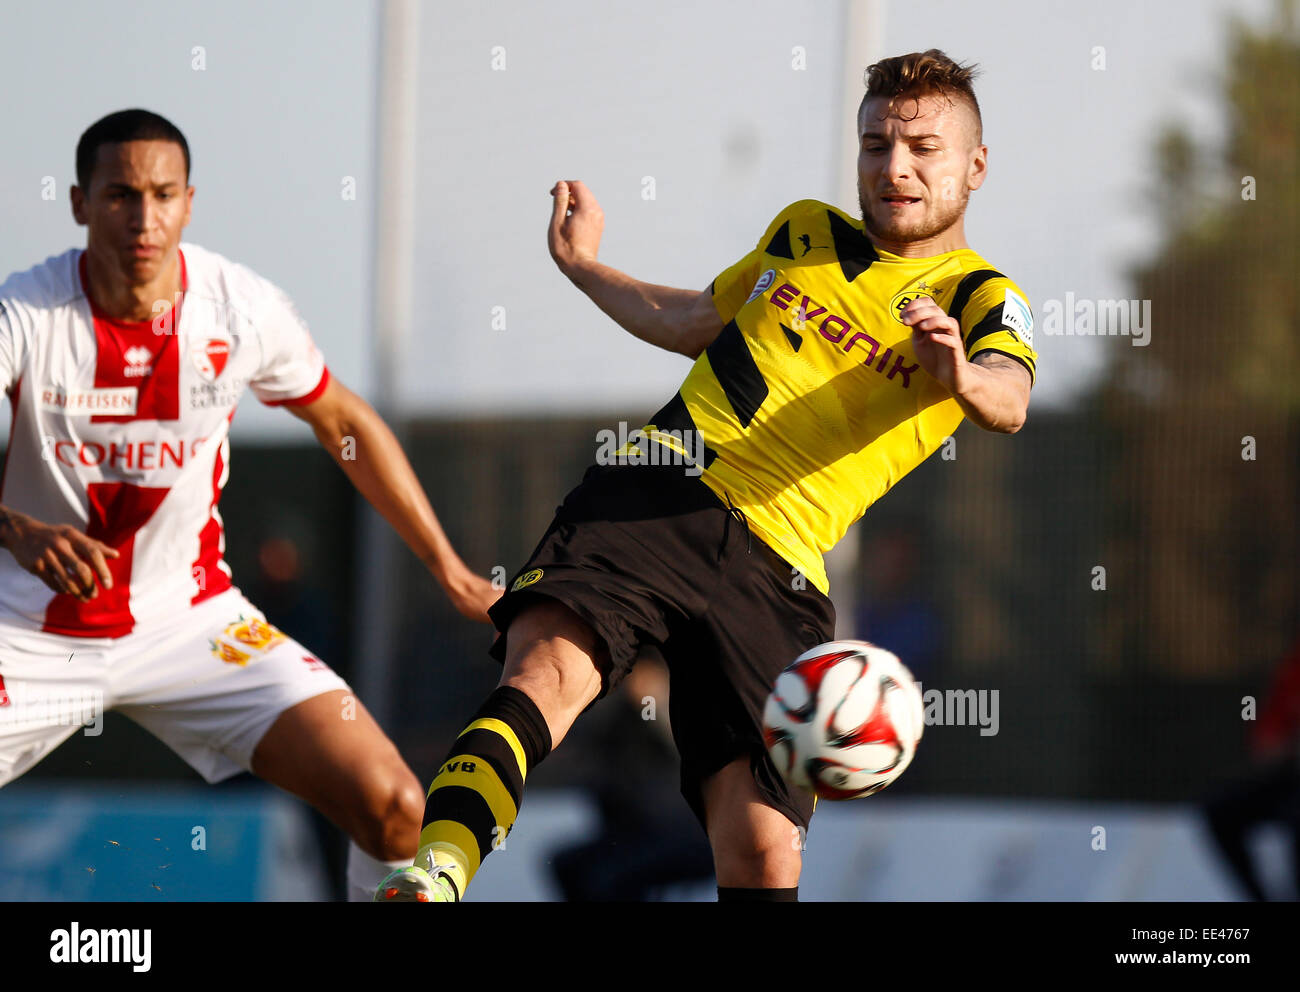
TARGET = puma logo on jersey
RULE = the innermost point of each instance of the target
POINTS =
(808, 246)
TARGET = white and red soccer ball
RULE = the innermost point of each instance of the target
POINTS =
(843, 720)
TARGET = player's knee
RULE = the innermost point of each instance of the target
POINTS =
(753, 862)
(555, 658)
(387, 823)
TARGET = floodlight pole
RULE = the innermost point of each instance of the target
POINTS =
(378, 597)
(864, 23)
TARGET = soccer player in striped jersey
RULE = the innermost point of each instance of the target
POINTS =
(828, 363)
(123, 363)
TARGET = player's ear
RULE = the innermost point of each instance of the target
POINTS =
(189, 205)
(979, 168)
(78, 200)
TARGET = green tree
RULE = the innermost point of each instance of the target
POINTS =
(1207, 533)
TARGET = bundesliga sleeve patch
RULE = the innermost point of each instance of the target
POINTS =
(761, 287)
(1016, 315)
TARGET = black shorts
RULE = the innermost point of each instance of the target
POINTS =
(649, 556)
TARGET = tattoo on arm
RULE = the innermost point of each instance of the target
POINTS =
(1001, 363)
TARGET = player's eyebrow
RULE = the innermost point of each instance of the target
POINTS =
(906, 137)
(127, 187)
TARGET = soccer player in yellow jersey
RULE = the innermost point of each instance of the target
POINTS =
(829, 362)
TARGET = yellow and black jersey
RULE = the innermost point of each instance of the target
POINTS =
(810, 403)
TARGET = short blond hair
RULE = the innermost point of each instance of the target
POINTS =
(928, 73)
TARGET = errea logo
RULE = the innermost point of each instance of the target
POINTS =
(138, 358)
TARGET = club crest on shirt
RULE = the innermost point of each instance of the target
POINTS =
(209, 357)
(900, 301)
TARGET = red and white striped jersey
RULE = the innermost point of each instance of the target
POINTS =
(120, 429)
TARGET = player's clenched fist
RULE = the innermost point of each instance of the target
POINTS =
(576, 225)
(61, 556)
(936, 340)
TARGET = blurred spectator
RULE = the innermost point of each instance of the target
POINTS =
(287, 599)
(895, 610)
(649, 839)
(1271, 794)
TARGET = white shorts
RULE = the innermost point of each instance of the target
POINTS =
(208, 684)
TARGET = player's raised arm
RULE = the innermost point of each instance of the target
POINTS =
(378, 467)
(680, 320)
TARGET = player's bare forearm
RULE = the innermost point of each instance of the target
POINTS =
(371, 457)
(993, 391)
(64, 558)
(680, 320)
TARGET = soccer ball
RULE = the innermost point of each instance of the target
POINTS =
(843, 720)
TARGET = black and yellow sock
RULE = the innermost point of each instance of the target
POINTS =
(473, 802)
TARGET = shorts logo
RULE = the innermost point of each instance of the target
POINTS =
(209, 357)
(252, 633)
(527, 579)
(760, 287)
(4, 695)
(233, 656)
(257, 634)
(315, 664)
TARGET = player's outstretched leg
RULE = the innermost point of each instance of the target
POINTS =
(756, 849)
(550, 677)
(329, 751)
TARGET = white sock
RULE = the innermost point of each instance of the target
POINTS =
(365, 873)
